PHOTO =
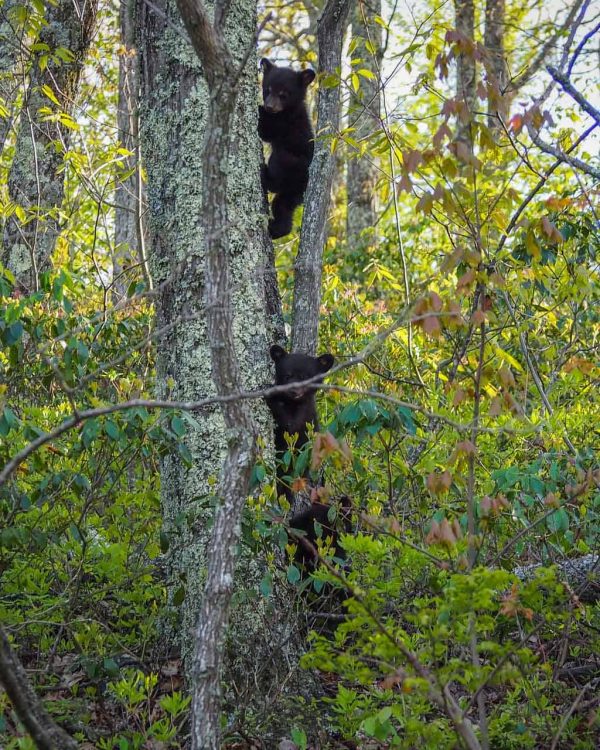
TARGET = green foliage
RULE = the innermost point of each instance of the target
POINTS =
(466, 438)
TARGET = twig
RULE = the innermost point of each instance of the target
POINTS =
(538, 186)
(569, 713)
(562, 156)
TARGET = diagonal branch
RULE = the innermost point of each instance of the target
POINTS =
(518, 83)
(556, 152)
(567, 86)
(537, 187)
(44, 732)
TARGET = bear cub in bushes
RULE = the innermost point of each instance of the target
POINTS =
(295, 409)
(284, 123)
(320, 521)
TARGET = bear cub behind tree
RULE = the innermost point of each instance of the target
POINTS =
(295, 409)
(284, 123)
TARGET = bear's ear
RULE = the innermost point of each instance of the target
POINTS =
(307, 76)
(277, 352)
(325, 362)
(266, 65)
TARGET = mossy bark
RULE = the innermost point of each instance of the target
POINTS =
(364, 115)
(174, 107)
(130, 239)
(36, 181)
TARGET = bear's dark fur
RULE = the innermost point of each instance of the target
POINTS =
(284, 123)
(315, 523)
(295, 409)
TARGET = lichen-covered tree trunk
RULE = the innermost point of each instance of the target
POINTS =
(35, 181)
(130, 237)
(364, 116)
(173, 116)
(309, 260)
(464, 11)
(496, 63)
(12, 45)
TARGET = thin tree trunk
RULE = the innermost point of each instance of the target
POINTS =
(130, 239)
(309, 261)
(496, 63)
(175, 132)
(465, 66)
(364, 116)
(34, 181)
(44, 732)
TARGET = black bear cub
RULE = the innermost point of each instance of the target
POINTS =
(320, 521)
(284, 123)
(295, 409)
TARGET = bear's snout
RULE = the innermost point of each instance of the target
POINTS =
(273, 105)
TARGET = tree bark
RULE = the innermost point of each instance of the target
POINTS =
(309, 261)
(188, 209)
(34, 181)
(12, 41)
(130, 235)
(44, 732)
(496, 63)
(465, 66)
(364, 115)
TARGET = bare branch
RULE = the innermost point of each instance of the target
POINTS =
(580, 47)
(537, 187)
(518, 83)
(567, 86)
(562, 156)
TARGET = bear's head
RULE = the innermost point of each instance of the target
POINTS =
(283, 88)
(296, 367)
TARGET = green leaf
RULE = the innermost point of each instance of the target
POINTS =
(164, 542)
(47, 91)
(90, 432)
(13, 333)
(82, 482)
(112, 430)
(558, 521)
(299, 738)
(266, 585)
(179, 596)
(293, 574)
(185, 454)
(178, 426)
(407, 420)
(111, 667)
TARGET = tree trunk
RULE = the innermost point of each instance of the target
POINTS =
(496, 63)
(259, 651)
(34, 182)
(12, 42)
(130, 240)
(309, 261)
(465, 66)
(364, 116)
(44, 732)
